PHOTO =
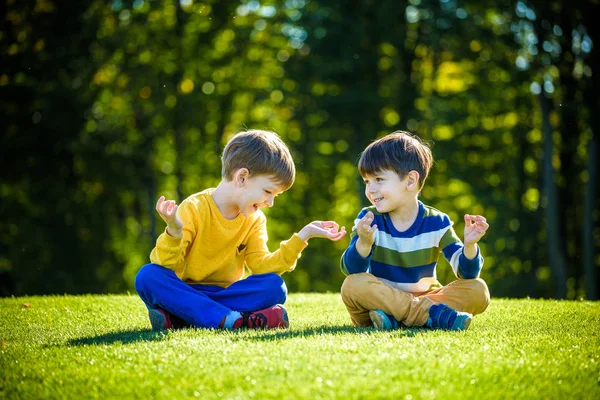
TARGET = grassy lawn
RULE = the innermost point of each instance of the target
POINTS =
(101, 347)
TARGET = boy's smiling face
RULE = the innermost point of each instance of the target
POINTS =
(258, 192)
(387, 191)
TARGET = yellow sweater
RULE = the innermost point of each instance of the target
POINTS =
(213, 249)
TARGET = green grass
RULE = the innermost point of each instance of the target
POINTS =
(101, 347)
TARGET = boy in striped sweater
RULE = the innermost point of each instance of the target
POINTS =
(396, 243)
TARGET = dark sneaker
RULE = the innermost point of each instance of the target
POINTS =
(159, 319)
(443, 317)
(268, 318)
(383, 321)
(162, 320)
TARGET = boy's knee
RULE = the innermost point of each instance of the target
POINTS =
(275, 287)
(480, 295)
(355, 283)
(145, 275)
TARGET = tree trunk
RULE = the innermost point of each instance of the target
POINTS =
(592, 101)
(178, 112)
(556, 256)
(589, 269)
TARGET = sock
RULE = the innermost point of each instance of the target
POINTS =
(231, 318)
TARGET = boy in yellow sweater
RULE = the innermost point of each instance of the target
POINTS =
(196, 277)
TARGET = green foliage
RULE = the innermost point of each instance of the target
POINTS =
(101, 347)
(108, 105)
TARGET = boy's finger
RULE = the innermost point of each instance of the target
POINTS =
(338, 236)
(475, 218)
(331, 224)
(482, 224)
(160, 201)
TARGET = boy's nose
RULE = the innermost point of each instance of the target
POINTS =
(270, 202)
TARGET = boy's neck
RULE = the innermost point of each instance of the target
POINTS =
(224, 197)
(403, 217)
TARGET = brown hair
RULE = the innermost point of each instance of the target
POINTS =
(400, 152)
(263, 153)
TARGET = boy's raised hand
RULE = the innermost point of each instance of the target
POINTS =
(475, 228)
(167, 209)
(366, 234)
(323, 229)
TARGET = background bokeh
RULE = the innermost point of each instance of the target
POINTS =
(106, 105)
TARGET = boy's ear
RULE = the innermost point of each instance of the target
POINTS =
(241, 176)
(412, 180)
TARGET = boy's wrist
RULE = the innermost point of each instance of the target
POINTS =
(363, 249)
(470, 251)
(303, 234)
(174, 232)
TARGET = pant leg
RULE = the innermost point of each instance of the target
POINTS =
(160, 287)
(205, 305)
(253, 293)
(364, 292)
(468, 295)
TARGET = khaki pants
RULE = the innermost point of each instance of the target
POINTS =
(364, 292)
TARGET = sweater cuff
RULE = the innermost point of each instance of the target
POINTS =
(469, 269)
(354, 261)
(170, 240)
(296, 244)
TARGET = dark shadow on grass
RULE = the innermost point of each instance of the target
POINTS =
(276, 334)
(122, 337)
(133, 336)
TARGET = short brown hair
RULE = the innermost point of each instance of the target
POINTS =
(400, 152)
(263, 153)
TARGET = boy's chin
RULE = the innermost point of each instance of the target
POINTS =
(248, 211)
(381, 208)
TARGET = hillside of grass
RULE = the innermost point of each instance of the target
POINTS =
(77, 347)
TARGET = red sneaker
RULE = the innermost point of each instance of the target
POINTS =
(268, 318)
(162, 320)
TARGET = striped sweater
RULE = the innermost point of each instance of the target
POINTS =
(407, 260)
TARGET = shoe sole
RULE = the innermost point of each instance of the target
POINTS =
(377, 320)
(157, 320)
(285, 318)
(466, 323)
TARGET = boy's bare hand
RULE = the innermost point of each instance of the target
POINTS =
(475, 228)
(167, 209)
(366, 232)
(323, 229)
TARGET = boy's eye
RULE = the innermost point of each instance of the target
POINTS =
(267, 192)
(379, 179)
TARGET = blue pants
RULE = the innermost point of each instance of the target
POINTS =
(205, 305)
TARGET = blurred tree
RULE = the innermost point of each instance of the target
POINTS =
(49, 227)
(108, 105)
